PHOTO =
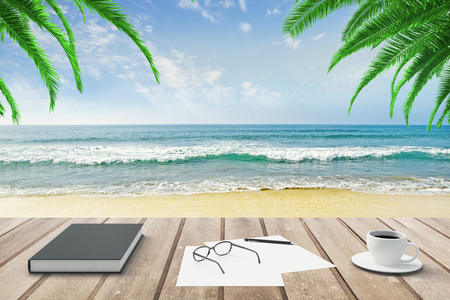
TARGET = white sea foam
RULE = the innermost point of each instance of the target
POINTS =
(91, 155)
(408, 186)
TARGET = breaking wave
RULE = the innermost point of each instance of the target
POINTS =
(93, 155)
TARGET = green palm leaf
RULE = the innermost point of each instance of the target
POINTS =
(305, 13)
(421, 60)
(15, 17)
(38, 14)
(444, 91)
(444, 113)
(12, 103)
(415, 33)
(394, 78)
(113, 13)
(434, 67)
(20, 32)
(399, 50)
(362, 15)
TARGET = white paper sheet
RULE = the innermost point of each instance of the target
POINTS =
(240, 269)
(241, 266)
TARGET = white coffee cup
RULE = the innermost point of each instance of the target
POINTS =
(387, 247)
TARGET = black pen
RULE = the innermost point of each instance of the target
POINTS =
(270, 241)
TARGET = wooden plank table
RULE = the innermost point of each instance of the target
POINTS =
(152, 270)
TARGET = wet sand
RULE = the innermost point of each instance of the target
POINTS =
(306, 203)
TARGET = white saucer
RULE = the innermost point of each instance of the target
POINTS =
(365, 261)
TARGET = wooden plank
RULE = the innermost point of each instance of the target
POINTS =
(72, 285)
(440, 224)
(24, 235)
(14, 277)
(340, 245)
(430, 282)
(428, 240)
(313, 284)
(141, 276)
(195, 233)
(9, 224)
(237, 228)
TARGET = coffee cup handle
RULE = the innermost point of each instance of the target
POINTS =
(404, 261)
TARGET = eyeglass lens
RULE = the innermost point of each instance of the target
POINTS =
(222, 248)
(202, 252)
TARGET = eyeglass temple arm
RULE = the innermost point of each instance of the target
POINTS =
(259, 261)
(204, 257)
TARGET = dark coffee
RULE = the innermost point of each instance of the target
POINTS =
(391, 237)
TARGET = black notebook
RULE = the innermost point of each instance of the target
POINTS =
(88, 248)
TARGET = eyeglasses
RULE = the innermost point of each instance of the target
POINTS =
(221, 249)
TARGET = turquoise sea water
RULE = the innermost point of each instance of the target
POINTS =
(189, 159)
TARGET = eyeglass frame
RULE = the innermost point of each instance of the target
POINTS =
(213, 248)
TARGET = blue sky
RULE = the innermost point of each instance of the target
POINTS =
(221, 62)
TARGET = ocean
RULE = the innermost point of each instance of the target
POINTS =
(133, 160)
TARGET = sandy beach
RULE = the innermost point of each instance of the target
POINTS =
(307, 203)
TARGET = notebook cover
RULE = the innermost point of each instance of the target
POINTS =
(90, 242)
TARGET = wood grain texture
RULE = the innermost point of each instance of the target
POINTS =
(71, 285)
(25, 235)
(237, 228)
(9, 224)
(430, 282)
(440, 224)
(14, 277)
(334, 239)
(315, 284)
(141, 275)
(195, 233)
(340, 245)
(433, 243)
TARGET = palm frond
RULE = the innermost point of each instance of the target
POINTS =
(416, 33)
(305, 13)
(114, 14)
(366, 11)
(394, 78)
(444, 92)
(37, 13)
(410, 14)
(399, 50)
(20, 32)
(444, 113)
(433, 68)
(72, 42)
(388, 23)
(421, 60)
(368, 35)
(12, 103)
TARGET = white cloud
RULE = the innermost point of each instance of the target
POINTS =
(43, 37)
(242, 5)
(148, 28)
(207, 15)
(274, 12)
(182, 84)
(227, 3)
(188, 4)
(276, 43)
(318, 36)
(212, 76)
(258, 96)
(245, 27)
(291, 42)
